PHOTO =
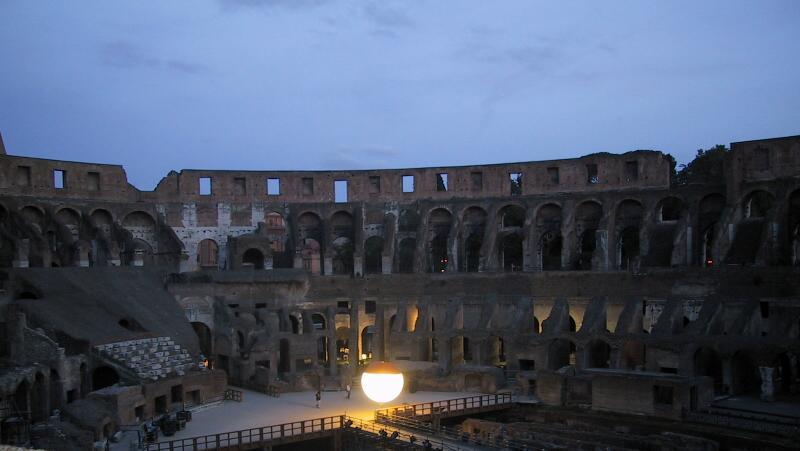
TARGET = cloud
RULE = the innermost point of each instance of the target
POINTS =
(360, 157)
(386, 16)
(125, 55)
(286, 4)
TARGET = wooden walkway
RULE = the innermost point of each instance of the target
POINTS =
(448, 408)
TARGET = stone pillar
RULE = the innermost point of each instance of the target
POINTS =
(355, 335)
(298, 261)
(386, 264)
(443, 347)
(601, 254)
(328, 266)
(184, 264)
(358, 265)
(767, 374)
(380, 336)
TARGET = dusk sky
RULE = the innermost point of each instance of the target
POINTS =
(349, 84)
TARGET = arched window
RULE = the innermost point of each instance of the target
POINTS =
(207, 253)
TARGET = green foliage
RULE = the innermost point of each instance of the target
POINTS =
(707, 167)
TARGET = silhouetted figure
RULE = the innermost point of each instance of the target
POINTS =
(318, 396)
(348, 391)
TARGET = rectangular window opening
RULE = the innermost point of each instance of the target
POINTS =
(340, 191)
(343, 305)
(93, 181)
(59, 179)
(374, 184)
(631, 170)
(273, 187)
(239, 186)
(408, 183)
(515, 178)
(370, 307)
(476, 180)
(308, 186)
(591, 174)
(23, 176)
(552, 173)
(441, 181)
(261, 305)
(205, 186)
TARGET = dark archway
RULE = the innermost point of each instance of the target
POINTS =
(629, 248)
(550, 250)
(204, 337)
(472, 252)
(597, 354)
(406, 255)
(560, 353)
(373, 255)
(439, 260)
(104, 376)
(708, 363)
(253, 257)
(284, 358)
(588, 245)
(745, 378)
(634, 356)
(511, 252)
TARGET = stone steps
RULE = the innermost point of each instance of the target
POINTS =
(150, 358)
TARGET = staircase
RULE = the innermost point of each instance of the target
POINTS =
(150, 358)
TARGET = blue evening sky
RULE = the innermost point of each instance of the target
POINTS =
(350, 84)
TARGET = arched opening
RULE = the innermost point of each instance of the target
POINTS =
(536, 326)
(342, 234)
(438, 255)
(746, 379)
(550, 246)
(511, 252)
(207, 253)
(39, 398)
(628, 248)
(21, 397)
(511, 216)
(104, 376)
(669, 209)
(278, 239)
(597, 354)
(439, 224)
(367, 342)
(757, 204)
(86, 382)
(708, 363)
(138, 253)
(34, 218)
(318, 320)
(343, 344)
(588, 245)
(634, 356)
(310, 255)
(750, 232)
(560, 353)
(409, 221)
(709, 213)
(474, 228)
(295, 324)
(572, 325)
(253, 257)
(373, 255)
(466, 349)
(406, 251)
(284, 358)
(784, 375)
(204, 337)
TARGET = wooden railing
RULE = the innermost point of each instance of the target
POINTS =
(448, 407)
(253, 438)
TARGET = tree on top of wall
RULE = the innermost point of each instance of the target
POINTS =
(707, 167)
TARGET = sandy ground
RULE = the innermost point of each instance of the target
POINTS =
(257, 409)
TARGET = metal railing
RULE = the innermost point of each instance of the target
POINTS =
(405, 436)
(448, 407)
(253, 437)
(231, 394)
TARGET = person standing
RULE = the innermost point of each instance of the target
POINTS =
(318, 396)
(348, 391)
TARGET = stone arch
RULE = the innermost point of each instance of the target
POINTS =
(318, 320)
(473, 230)
(253, 257)
(275, 226)
(710, 210)
(138, 253)
(496, 351)
(56, 390)
(71, 220)
(757, 204)
(310, 255)
(669, 209)
(104, 376)
(204, 337)
(343, 245)
(549, 250)
(102, 221)
(628, 248)
(405, 255)
(21, 396)
(511, 216)
(409, 220)
(368, 342)
(439, 223)
(373, 255)
(39, 398)
(34, 217)
(511, 252)
(309, 225)
(207, 253)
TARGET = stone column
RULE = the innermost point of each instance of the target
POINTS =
(386, 264)
(330, 321)
(355, 335)
(380, 335)
(23, 249)
(767, 374)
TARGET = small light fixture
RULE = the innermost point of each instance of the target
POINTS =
(382, 381)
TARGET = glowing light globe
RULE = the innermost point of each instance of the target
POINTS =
(382, 381)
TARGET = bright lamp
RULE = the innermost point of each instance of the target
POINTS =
(382, 381)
